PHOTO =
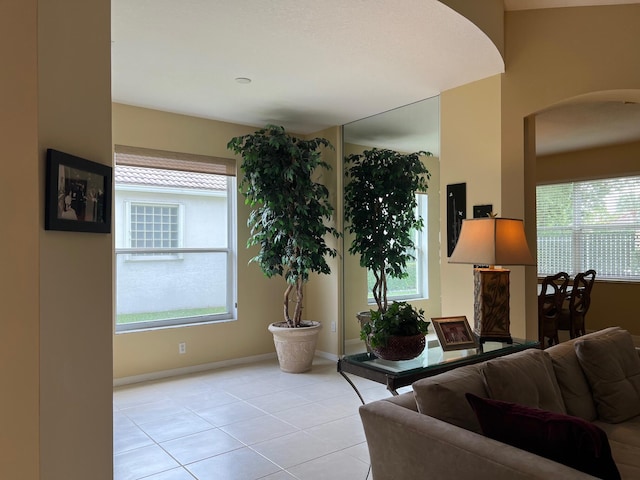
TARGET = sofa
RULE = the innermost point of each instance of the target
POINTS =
(591, 382)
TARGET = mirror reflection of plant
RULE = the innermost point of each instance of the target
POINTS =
(400, 319)
(380, 208)
(289, 208)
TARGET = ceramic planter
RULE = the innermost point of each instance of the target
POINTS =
(295, 347)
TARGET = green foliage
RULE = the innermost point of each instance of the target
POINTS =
(399, 319)
(380, 208)
(289, 208)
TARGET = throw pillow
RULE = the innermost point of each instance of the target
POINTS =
(442, 396)
(612, 367)
(565, 439)
(526, 378)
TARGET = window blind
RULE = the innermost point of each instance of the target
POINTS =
(590, 224)
(149, 158)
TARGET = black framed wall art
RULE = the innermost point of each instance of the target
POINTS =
(482, 211)
(456, 212)
(78, 194)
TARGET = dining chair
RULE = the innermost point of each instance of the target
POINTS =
(572, 318)
(550, 299)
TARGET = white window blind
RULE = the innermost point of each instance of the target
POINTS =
(590, 225)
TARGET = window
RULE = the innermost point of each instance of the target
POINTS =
(175, 237)
(415, 284)
(153, 226)
(592, 224)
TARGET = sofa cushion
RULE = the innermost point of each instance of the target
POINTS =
(574, 387)
(624, 439)
(443, 396)
(612, 368)
(573, 384)
(569, 440)
(526, 378)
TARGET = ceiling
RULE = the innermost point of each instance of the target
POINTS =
(314, 65)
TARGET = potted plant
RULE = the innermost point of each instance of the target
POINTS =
(287, 222)
(397, 334)
(380, 211)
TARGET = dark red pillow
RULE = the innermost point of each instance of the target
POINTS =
(565, 439)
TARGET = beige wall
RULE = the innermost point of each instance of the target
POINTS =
(470, 153)
(75, 268)
(259, 298)
(19, 369)
(56, 286)
(613, 303)
(553, 55)
(486, 15)
(603, 162)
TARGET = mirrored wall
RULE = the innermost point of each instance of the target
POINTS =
(407, 129)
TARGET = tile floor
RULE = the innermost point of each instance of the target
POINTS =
(243, 423)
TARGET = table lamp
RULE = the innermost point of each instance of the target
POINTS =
(489, 242)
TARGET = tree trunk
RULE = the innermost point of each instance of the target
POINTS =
(297, 315)
(286, 305)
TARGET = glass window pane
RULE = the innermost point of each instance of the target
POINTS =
(195, 285)
(590, 225)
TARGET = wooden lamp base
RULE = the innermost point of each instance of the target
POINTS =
(491, 305)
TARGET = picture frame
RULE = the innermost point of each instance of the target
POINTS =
(78, 194)
(456, 212)
(482, 211)
(454, 333)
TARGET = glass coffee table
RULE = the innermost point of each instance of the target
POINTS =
(432, 361)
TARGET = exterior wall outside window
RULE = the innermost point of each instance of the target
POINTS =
(162, 282)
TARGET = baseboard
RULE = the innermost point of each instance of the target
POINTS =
(327, 355)
(352, 342)
(117, 382)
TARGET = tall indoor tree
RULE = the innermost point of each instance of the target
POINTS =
(291, 213)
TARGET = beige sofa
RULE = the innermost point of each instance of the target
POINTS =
(432, 433)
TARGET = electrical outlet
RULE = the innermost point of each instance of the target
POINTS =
(333, 326)
(182, 348)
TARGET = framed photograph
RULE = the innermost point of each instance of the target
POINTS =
(78, 194)
(482, 211)
(454, 333)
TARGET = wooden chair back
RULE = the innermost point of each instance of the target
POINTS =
(552, 294)
(573, 318)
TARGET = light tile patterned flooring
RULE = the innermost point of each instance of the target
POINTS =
(243, 422)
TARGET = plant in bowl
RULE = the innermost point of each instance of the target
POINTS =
(397, 334)
(289, 221)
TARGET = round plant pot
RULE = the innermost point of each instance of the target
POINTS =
(401, 348)
(295, 347)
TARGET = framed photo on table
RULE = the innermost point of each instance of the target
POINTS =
(454, 333)
(78, 194)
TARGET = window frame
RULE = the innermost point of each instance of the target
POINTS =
(172, 254)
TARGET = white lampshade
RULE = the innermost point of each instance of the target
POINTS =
(492, 241)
